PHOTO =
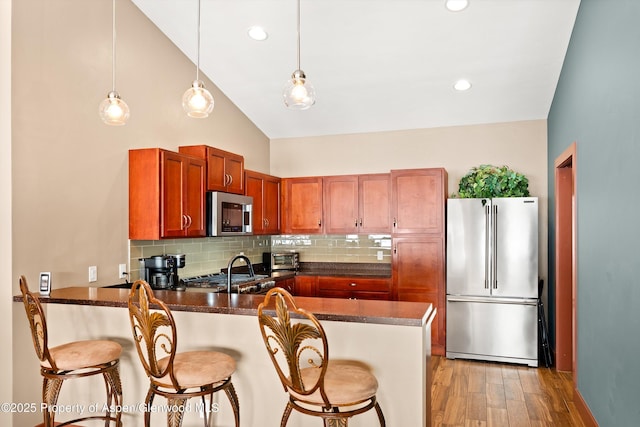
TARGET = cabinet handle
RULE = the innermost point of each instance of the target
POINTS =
(184, 222)
(395, 223)
(395, 249)
(319, 223)
(352, 284)
(360, 222)
(230, 179)
(188, 221)
(356, 222)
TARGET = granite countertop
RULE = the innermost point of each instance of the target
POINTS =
(334, 309)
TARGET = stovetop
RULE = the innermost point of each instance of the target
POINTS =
(240, 283)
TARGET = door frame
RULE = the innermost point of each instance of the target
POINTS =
(566, 272)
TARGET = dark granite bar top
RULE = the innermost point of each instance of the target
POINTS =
(335, 309)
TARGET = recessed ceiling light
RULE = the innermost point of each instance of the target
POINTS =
(257, 33)
(456, 5)
(462, 85)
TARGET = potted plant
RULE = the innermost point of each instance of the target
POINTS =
(493, 181)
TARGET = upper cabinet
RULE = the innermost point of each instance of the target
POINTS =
(166, 195)
(302, 205)
(225, 170)
(265, 190)
(418, 200)
(357, 204)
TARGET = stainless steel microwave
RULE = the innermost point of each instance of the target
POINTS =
(229, 214)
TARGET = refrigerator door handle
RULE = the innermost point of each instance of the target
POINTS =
(495, 247)
(494, 300)
(487, 229)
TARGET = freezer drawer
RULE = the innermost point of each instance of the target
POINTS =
(503, 330)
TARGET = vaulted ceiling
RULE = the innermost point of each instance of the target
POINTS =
(377, 65)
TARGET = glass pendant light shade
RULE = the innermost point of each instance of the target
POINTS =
(113, 110)
(299, 93)
(197, 101)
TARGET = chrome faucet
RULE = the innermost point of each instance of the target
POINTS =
(230, 265)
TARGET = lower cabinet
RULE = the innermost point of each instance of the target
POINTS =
(419, 275)
(287, 284)
(354, 288)
(305, 286)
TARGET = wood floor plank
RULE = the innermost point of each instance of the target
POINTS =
(469, 393)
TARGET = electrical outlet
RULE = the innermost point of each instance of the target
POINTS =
(93, 273)
(122, 271)
(379, 255)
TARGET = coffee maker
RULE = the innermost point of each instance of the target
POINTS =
(161, 271)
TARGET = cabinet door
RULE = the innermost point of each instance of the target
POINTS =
(305, 286)
(195, 197)
(302, 205)
(234, 171)
(418, 202)
(173, 189)
(271, 205)
(253, 185)
(374, 201)
(419, 275)
(341, 204)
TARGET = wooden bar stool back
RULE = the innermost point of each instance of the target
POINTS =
(332, 390)
(176, 376)
(72, 360)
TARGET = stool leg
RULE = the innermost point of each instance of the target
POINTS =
(380, 415)
(285, 414)
(114, 394)
(50, 392)
(174, 418)
(336, 422)
(233, 398)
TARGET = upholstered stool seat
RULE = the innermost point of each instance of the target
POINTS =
(333, 390)
(344, 383)
(177, 376)
(83, 354)
(194, 368)
(72, 360)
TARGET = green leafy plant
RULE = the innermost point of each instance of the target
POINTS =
(493, 181)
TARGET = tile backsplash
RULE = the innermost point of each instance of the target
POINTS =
(207, 255)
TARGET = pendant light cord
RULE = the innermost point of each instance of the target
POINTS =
(198, 48)
(113, 46)
(298, 29)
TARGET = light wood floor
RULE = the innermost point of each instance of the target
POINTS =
(486, 394)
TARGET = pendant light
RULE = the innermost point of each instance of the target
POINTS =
(197, 101)
(113, 110)
(299, 93)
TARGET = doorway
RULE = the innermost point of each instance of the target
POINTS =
(565, 260)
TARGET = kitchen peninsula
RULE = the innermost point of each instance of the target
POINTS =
(392, 337)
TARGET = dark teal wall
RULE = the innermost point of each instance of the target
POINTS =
(597, 104)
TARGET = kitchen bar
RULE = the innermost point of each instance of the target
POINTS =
(357, 329)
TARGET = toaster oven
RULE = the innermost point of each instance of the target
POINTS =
(282, 260)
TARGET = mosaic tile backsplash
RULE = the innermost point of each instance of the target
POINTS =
(207, 255)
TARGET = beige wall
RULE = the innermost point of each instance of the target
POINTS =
(520, 145)
(6, 275)
(70, 170)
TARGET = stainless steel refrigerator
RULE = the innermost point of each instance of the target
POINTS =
(492, 279)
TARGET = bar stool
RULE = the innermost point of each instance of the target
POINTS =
(176, 376)
(334, 391)
(72, 360)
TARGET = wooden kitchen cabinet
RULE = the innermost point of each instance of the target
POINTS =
(418, 200)
(418, 271)
(302, 205)
(166, 195)
(306, 286)
(225, 170)
(354, 288)
(357, 204)
(265, 190)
